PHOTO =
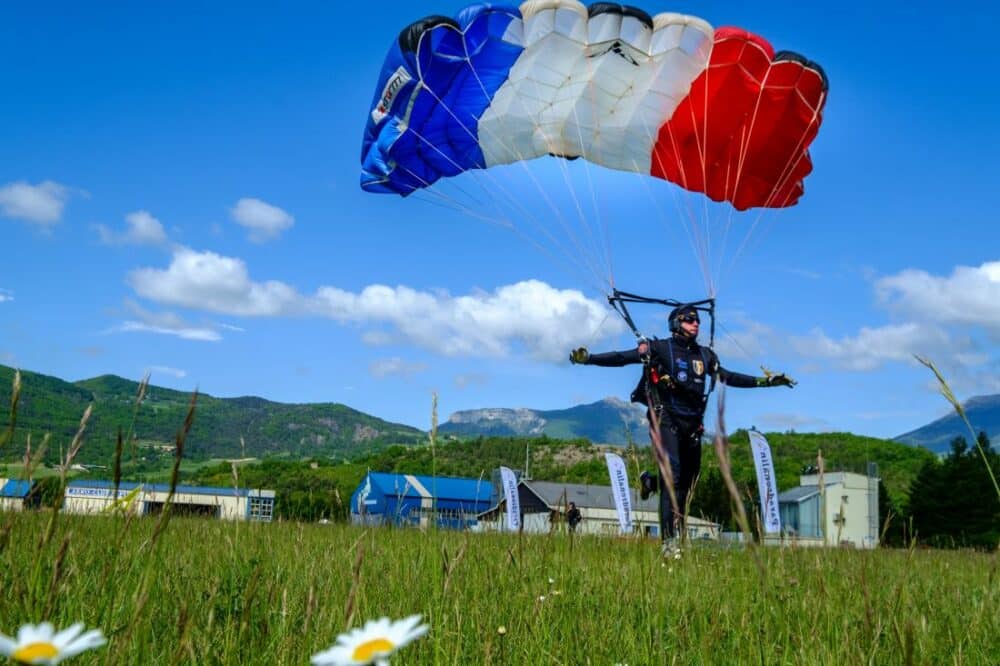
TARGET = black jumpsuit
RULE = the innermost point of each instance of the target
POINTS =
(685, 372)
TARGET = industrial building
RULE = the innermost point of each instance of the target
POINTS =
(15, 495)
(224, 503)
(843, 512)
(544, 505)
(407, 499)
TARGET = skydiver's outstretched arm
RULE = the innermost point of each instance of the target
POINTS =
(740, 380)
(607, 359)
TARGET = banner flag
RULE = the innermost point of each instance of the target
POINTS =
(620, 491)
(766, 483)
(509, 481)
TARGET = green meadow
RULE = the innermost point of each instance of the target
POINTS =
(197, 591)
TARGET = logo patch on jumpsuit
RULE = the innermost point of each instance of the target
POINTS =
(699, 367)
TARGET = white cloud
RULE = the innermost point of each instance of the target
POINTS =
(6, 295)
(395, 366)
(970, 296)
(945, 318)
(872, 347)
(164, 323)
(143, 229)
(41, 204)
(543, 320)
(212, 282)
(167, 370)
(263, 220)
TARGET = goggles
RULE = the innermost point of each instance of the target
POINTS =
(690, 317)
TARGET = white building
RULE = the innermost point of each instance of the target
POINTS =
(843, 512)
(14, 494)
(225, 503)
(544, 505)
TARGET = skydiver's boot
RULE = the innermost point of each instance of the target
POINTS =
(647, 485)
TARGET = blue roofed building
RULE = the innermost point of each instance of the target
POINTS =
(408, 499)
(15, 495)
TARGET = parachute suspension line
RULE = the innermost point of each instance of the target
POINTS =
(592, 265)
(603, 252)
(503, 221)
(701, 250)
(735, 341)
(619, 299)
(586, 261)
(492, 178)
(604, 226)
(591, 255)
(787, 171)
(691, 229)
(704, 169)
(593, 252)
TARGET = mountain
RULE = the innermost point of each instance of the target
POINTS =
(223, 427)
(984, 415)
(603, 421)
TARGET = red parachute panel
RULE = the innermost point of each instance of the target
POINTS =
(743, 132)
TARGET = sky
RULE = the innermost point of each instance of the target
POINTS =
(179, 196)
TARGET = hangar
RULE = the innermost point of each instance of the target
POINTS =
(149, 498)
(408, 499)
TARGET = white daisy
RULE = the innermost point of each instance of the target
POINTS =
(41, 645)
(373, 643)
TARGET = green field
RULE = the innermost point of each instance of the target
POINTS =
(207, 592)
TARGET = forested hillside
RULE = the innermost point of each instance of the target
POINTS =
(223, 427)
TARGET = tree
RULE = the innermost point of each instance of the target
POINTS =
(953, 502)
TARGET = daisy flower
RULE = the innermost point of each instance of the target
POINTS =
(373, 643)
(41, 645)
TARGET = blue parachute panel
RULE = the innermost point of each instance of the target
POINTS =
(436, 82)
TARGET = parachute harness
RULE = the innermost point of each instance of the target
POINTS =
(618, 300)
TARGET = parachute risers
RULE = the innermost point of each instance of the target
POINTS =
(651, 375)
(618, 300)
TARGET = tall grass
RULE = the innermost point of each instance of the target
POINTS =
(949, 395)
(184, 590)
(289, 588)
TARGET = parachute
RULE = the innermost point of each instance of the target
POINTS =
(716, 112)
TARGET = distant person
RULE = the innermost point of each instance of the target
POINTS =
(573, 517)
(679, 376)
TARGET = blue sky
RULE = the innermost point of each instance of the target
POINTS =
(179, 195)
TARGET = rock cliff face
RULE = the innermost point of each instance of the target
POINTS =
(608, 421)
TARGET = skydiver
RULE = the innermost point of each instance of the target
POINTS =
(680, 374)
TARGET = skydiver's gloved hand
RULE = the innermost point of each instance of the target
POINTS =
(779, 379)
(580, 355)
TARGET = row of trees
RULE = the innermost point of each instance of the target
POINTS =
(954, 501)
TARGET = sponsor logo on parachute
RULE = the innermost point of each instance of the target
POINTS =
(395, 83)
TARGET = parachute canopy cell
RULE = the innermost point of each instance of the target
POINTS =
(713, 111)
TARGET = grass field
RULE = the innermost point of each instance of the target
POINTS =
(207, 592)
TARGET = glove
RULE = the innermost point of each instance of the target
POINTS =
(780, 379)
(580, 355)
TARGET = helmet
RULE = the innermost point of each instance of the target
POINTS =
(679, 314)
